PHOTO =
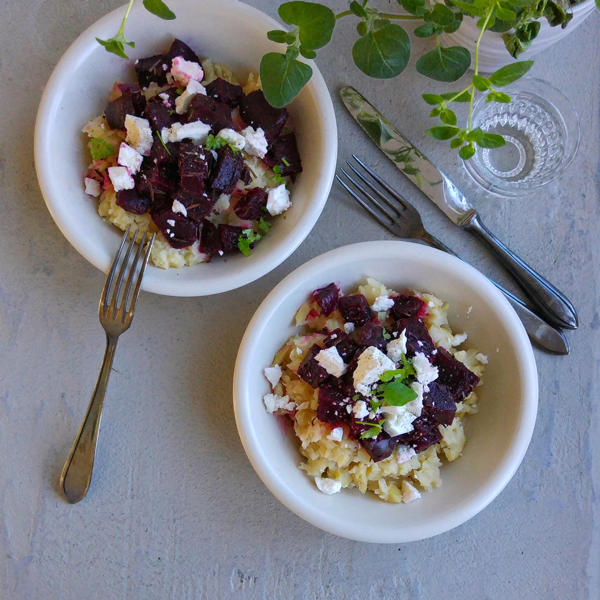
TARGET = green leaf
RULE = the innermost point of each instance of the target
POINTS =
(264, 226)
(432, 99)
(100, 149)
(370, 433)
(456, 143)
(358, 10)
(474, 135)
(414, 7)
(362, 28)
(278, 35)
(246, 239)
(505, 13)
(398, 394)
(316, 22)
(455, 25)
(466, 152)
(485, 22)
(502, 26)
(469, 8)
(444, 64)
(436, 112)
(308, 53)
(448, 117)
(160, 9)
(497, 97)
(382, 54)
(481, 83)
(292, 53)
(442, 132)
(598, 4)
(115, 46)
(491, 140)
(440, 15)
(464, 96)
(424, 31)
(282, 79)
(510, 73)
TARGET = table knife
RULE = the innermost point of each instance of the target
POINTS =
(552, 304)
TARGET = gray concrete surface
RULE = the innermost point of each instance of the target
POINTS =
(175, 510)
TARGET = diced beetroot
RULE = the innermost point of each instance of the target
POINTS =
(354, 362)
(380, 447)
(153, 181)
(179, 48)
(226, 92)
(246, 175)
(439, 404)
(180, 232)
(332, 406)
(193, 168)
(459, 380)
(372, 335)
(345, 384)
(327, 298)
(197, 206)
(228, 170)
(152, 69)
(210, 240)
(356, 309)
(159, 155)
(256, 111)
(209, 111)
(310, 370)
(130, 102)
(132, 201)
(284, 152)
(158, 114)
(345, 345)
(252, 206)
(406, 307)
(230, 236)
(417, 336)
(426, 433)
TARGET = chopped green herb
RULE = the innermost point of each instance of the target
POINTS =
(248, 237)
(406, 370)
(285, 162)
(374, 431)
(163, 143)
(375, 404)
(356, 397)
(264, 226)
(100, 149)
(216, 143)
(386, 335)
(398, 394)
(277, 175)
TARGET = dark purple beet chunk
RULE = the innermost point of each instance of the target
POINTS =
(284, 152)
(152, 69)
(439, 404)
(209, 111)
(406, 307)
(159, 155)
(372, 335)
(357, 428)
(193, 168)
(310, 370)
(356, 309)
(256, 111)
(130, 102)
(459, 380)
(228, 170)
(381, 447)
(327, 298)
(345, 384)
(132, 201)
(417, 336)
(332, 406)
(179, 48)
(158, 114)
(210, 240)
(345, 345)
(184, 233)
(251, 207)
(425, 434)
(230, 236)
(153, 181)
(354, 362)
(246, 176)
(226, 92)
(197, 206)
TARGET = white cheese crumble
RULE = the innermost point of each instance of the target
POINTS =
(121, 178)
(459, 338)
(139, 134)
(348, 327)
(273, 374)
(396, 348)
(382, 304)
(256, 142)
(416, 406)
(182, 103)
(179, 208)
(92, 187)
(398, 420)
(360, 409)
(197, 131)
(184, 70)
(328, 486)
(336, 434)
(171, 222)
(372, 363)
(409, 492)
(222, 204)
(482, 358)
(233, 138)
(273, 402)
(331, 361)
(130, 158)
(278, 200)
(404, 453)
(165, 134)
(426, 372)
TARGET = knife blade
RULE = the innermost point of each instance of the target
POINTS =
(553, 305)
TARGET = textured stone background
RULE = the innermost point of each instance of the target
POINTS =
(175, 510)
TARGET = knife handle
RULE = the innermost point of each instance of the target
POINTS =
(552, 303)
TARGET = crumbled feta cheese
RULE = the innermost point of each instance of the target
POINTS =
(233, 138)
(184, 70)
(222, 204)
(278, 200)
(328, 486)
(398, 420)
(139, 134)
(397, 347)
(331, 361)
(165, 134)
(273, 402)
(92, 187)
(130, 158)
(409, 492)
(182, 103)
(382, 304)
(372, 363)
(349, 408)
(197, 131)
(336, 434)
(256, 142)
(431, 304)
(273, 374)
(459, 338)
(166, 99)
(348, 327)
(426, 372)
(121, 178)
(179, 208)
(360, 409)
(482, 358)
(404, 453)
(171, 133)
(416, 406)
(171, 222)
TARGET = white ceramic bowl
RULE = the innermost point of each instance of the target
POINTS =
(228, 32)
(497, 437)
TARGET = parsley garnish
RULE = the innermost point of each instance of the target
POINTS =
(285, 162)
(100, 149)
(264, 226)
(398, 394)
(248, 237)
(216, 143)
(374, 431)
(277, 175)
(163, 143)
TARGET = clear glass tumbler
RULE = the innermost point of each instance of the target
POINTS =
(541, 128)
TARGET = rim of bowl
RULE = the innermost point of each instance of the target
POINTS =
(77, 53)
(280, 489)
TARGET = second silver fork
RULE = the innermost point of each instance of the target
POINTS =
(403, 220)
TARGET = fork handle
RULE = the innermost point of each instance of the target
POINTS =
(552, 303)
(544, 335)
(77, 472)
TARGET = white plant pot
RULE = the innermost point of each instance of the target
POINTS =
(493, 53)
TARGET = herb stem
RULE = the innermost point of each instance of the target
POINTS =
(346, 13)
(122, 28)
(400, 17)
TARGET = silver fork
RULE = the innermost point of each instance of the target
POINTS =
(403, 220)
(115, 317)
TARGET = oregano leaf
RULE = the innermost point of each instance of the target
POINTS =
(466, 152)
(315, 21)
(160, 9)
(444, 64)
(442, 132)
(382, 54)
(277, 35)
(282, 79)
(491, 140)
(510, 73)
